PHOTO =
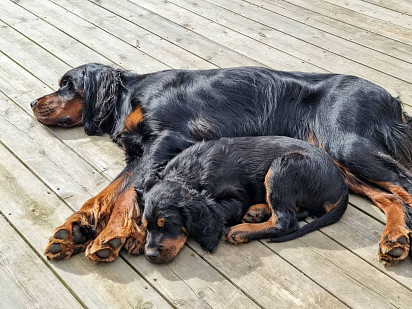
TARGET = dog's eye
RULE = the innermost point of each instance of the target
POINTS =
(64, 83)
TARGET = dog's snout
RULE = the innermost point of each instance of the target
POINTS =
(33, 103)
(152, 254)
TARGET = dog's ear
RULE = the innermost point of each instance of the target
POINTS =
(202, 222)
(100, 88)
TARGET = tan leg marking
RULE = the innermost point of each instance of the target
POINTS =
(394, 244)
(241, 233)
(94, 214)
(398, 190)
(125, 221)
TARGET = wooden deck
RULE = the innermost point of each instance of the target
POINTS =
(47, 173)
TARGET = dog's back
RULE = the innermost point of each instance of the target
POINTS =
(240, 164)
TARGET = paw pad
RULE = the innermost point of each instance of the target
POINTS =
(55, 248)
(61, 234)
(104, 253)
(115, 243)
(396, 252)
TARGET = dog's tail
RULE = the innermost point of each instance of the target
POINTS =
(398, 136)
(327, 219)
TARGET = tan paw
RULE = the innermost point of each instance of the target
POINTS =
(70, 238)
(394, 245)
(236, 236)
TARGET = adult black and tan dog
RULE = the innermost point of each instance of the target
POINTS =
(155, 116)
(212, 184)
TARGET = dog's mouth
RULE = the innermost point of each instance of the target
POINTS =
(167, 251)
(64, 122)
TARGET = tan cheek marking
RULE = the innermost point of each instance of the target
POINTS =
(74, 109)
(161, 222)
(145, 223)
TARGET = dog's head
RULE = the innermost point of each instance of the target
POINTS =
(171, 213)
(87, 95)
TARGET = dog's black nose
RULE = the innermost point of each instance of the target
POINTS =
(33, 104)
(152, 254)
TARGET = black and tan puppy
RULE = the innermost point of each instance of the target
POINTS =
(212, 184)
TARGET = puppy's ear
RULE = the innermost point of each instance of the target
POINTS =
(100, 87)
(202, 222)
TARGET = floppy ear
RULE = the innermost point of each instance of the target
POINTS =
(202, 222)
(100, 87)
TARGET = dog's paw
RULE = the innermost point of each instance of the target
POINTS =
(135, 243)
(69, 239)
(257, 213)
(105, 249)
(236, 236)
(394, 245)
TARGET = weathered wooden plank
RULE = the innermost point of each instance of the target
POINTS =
(367, 207)
(170, 31)
(90, 35)
(299, 40)
(34, 210)
(201, 45)
(50, 38)
(356, 19)
(268, 276)
(360, 234)
(306, 12)
(263, 54)
(360, 284)
(189, 282)
(26, 282)
(371, 10)
(401, 6)
(298, 31)
(144, 40)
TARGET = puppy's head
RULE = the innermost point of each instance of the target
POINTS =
(86, 96)
(166, 232)
(171, 213)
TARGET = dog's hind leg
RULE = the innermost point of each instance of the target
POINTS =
(394, 244)
(388, 185)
